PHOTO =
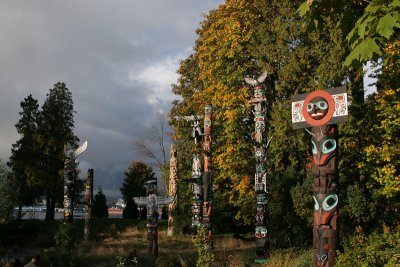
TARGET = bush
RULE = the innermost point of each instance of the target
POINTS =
(67, 236)
(130, 211)
(376, 249)
(204, 248)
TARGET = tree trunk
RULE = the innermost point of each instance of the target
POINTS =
(50, 206)
(19, 216)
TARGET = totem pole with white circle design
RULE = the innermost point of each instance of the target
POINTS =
(322, 110)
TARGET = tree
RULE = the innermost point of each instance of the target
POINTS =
(132, 186)
(297, 61)
(100, 209)
(370, 166)
(24, 154)
(56, 131)
(214, 74)
(369, 25)
(7, 195)
(157, 135)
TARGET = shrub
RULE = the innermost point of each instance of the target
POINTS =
(67, 236)
(376, 249)
(204, 248)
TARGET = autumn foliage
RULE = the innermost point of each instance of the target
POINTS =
(242, 38)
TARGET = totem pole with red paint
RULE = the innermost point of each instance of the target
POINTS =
(322, 110)
(259, 103)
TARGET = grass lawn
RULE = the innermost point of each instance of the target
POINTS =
(121, 242)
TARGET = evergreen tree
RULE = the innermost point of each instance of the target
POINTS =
(100, 209)
(24, 154)
(55, 131)
(132, 186)
(7, 195)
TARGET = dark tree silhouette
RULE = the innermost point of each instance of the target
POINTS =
(100, 209)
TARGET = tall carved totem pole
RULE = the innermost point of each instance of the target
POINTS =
(322, 110)
(70, 166)
(207, 185)
(202, 182)
(172, 188)
(89, 204)
(153, 203)
(259, 103)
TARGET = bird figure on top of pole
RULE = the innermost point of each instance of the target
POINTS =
(70, 165)
(262, 232)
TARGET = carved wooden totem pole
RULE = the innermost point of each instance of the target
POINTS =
(172, 188)
(202, 182)
(89, 204)
(153, 203)
(207, 184)
(262, 234)
(322, 110)
(70, 166)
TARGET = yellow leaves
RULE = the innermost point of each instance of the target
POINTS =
(245, 186)
(382, 155)
(393, 48)
(221, 62)
(243, 197)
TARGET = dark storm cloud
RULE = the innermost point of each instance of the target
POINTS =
(118, 58)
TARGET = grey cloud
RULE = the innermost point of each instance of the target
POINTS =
(94, 47)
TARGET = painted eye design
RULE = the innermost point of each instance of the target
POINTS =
(314, 148)
(322, 105)
(322, 258)
(330, 202)
(316, 205)
(310, 107)
(328, 146)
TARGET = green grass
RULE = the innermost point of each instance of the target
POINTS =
(118, 242)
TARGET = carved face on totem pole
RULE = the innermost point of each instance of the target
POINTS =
(260, 215)
(196, 166)
(321, 110)
(317, 108)
(325, 185)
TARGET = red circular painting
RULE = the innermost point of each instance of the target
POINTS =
(323, 117)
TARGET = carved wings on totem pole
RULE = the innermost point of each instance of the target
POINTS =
(71, 155)
(259, 80)
(157, 201)
(82, 148)
(197, 132)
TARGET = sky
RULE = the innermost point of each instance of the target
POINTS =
(118, 58)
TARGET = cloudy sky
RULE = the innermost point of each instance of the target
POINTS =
(118, 58)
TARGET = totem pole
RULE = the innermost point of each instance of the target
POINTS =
(260, 145)
(153, 204)
(89, 205)
(197, 186)
(202, 182)
(172, 189)
(322, 110)
(207, 184)
(69, 176)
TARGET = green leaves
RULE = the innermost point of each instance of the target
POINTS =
(372, 32)
(303, 8)
(387, 24)
(364, 51)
